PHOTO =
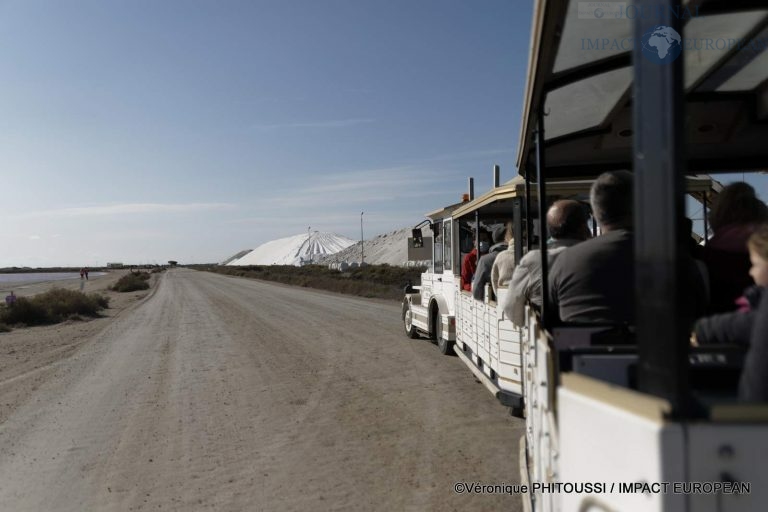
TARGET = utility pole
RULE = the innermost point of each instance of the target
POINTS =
(309, 246)
(362, 242)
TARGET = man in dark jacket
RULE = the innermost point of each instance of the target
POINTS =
(485, 263)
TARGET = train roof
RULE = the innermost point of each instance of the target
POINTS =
(582, 67)
(695, 185)
(442, 213)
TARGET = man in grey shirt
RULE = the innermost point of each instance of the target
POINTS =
(567, 226)
(593, 282)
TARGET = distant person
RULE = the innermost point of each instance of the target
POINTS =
(10, 299)
(86, 273)
(736, 327)
(504, 264)
(735, 214)
(567, 226)
(593, 282)
(485, 264)
(469, 263)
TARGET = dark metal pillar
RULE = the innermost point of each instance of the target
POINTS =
(477, 233)
(542, 193)
(528, 212)
(659, 167)
(517, 214)
(704, 207)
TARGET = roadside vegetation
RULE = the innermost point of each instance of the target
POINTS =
(374, 281)
(132, 282)
(54, 306)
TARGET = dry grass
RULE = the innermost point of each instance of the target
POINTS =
(374, 281)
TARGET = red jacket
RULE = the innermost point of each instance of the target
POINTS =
(468, 267)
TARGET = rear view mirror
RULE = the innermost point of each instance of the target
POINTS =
(418, 241)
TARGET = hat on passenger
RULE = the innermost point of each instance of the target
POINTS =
(498, 234)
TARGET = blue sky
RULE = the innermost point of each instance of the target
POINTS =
(143, 131)
(147, 131)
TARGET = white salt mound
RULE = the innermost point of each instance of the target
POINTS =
(295, 250)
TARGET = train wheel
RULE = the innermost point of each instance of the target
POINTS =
(443, 345)
(410, 330)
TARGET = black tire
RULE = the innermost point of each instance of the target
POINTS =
(410, 330)
(444, 346)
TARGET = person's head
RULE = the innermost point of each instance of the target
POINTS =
(758, 255)
(484, 242)
(567, 219)
(737, 203)
(509, 232)
(499, 233)
(611, 199)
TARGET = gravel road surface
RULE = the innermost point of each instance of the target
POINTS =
(220, 393)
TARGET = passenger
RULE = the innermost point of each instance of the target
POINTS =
(736, 327)
(753, 386)
(567, 226)
(734, 216)
(504, 264)
(592, 282)
(469, 263)
(485, 264)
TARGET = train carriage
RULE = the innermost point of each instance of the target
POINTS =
(633, 406)
(650, 409)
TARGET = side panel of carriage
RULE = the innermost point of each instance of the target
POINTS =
(587, 425)
(487, 340)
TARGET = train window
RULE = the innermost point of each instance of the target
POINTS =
(437, 260)
(447, 253)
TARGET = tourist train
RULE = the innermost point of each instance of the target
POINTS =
(606, 403)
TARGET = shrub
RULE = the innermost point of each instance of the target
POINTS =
(52, 307)
(101, 300)
(132, 282)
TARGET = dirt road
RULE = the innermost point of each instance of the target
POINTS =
(218, 393)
